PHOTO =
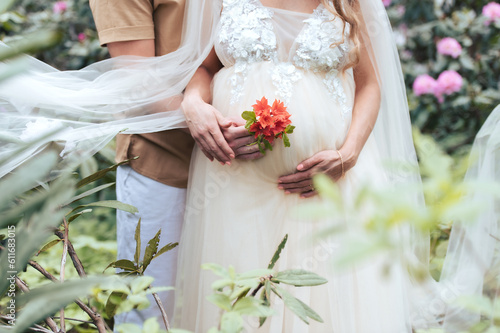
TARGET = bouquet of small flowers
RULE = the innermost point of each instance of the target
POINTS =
(268, 122)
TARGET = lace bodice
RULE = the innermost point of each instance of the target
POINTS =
(296, 42)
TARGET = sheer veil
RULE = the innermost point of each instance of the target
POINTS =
(139, 95)
(92, 105)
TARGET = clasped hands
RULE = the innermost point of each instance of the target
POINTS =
(224, 139)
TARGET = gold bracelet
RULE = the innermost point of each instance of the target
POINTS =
(342, 161)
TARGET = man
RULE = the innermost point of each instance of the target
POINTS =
(156, 182)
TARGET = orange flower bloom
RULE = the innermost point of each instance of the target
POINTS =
(269, 122)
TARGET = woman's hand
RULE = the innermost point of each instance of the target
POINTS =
(204, 121)
(327, 162)
(206, 124)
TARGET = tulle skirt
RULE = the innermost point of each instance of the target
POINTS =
(236, 215)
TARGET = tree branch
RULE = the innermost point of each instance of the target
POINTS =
(62, 273)
(49, 321)
(162, 310)
(95, 316)
(74, 257)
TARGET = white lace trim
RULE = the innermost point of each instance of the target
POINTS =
(248, 36)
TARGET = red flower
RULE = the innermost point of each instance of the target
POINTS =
(269, 122)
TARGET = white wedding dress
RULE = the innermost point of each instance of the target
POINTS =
(236, 215)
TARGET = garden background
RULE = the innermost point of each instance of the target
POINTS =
(449, 50)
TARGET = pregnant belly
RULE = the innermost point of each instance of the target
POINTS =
(318, 120)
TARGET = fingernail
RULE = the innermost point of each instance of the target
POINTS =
(232, 156)
(300, 167)
(287, 192)
(279, 181)
(228, 163)
(222, 163)
(280, 187)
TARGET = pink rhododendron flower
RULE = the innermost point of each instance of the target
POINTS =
(424, 84)
(401, 10)
(82, 37)
(386, 3)
(492, 12)
(449, 46)
(59, 7)
(448, 82)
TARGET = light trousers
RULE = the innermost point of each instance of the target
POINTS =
(160, 207)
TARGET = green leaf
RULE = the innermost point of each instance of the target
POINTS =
(166, 248)
(109, 204)
(264, 297)
(261, 146)
(251, 306)
(289, 129)
(124, 264)
(302, 310)
(255, 273)
(231, 322)
(128, 328)
(249, 116)
(89, 192)
(310, 312)
(49, 245)
(77, 215)
(217, 270)
(151, 250)
(220, 284)
(292, 303)
(151, 325)
(5, 4)
(141, 283)
(241, 291)
(221, 300)
(44, 301)
(137, 237)
(101, 173)
(327, 188)
(36, 41)
(276, 255)
(268, 145)
(286, 140)
(299, 278)
(26, 177)
(114, 300)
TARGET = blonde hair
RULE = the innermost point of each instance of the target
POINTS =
(348, 12)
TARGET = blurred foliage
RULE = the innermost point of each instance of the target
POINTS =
(380, 213)
(79, 46)
(419, 25)
(237, 294)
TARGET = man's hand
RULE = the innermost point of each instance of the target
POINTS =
(205, 124)
(241, 141)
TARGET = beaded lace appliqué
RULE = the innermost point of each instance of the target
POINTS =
(284, 76)
(315, 51)
(247, 34)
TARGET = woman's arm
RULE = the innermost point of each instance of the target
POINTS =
(364, 116)
(217, 136)
(204, 121)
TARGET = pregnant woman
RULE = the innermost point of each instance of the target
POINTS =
(309, 55)
(335, 66)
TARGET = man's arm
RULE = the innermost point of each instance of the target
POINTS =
(143, 48)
